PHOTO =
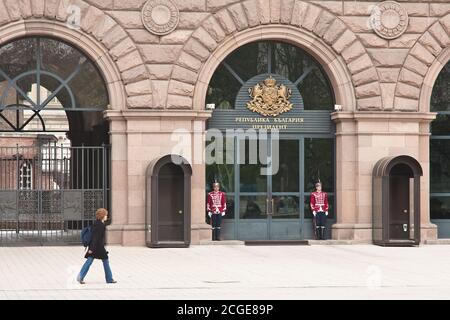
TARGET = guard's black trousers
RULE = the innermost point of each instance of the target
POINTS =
(321, 220)
(216, 220)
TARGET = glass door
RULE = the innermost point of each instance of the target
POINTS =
(284, 190)
(269, 196)
(274, 204)
(319, 161)
(253, 187)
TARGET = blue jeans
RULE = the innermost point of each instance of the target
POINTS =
(87, 265)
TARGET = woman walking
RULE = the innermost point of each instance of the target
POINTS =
(96, 248)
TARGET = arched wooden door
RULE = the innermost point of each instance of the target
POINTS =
(396, 201)
(168, 211)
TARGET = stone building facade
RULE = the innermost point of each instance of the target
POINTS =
(157, 81)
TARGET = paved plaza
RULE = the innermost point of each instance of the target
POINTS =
(231, 272)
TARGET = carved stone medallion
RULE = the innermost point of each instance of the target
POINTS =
(160, 17)
(270, 99)
(389, 19)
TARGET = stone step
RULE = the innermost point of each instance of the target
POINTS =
(338, 242)
(276, 243)
(437, 241)
(223, 243)
(289, 242)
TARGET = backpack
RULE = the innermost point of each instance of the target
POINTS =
(86, 236)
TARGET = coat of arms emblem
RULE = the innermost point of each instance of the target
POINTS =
(270, 98)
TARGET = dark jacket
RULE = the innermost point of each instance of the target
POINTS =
(97, 245)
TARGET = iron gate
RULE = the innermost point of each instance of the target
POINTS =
(49, 193)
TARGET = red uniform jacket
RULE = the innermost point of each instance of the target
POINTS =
(319, 201)
(217, 202)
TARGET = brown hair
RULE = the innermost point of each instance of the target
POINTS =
(101, 213)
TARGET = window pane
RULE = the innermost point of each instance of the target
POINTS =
(63, 60)
(223, 89)
(286, 60)
(57, 62)
(223, 173)
(289, 61)
(440, 98)
(7, 115)
(59, 58)
(88, 88)
(18, 57)
(440, 165)
(230, 207)
(294, 63)
(316, 91)
(252, 207)
(249, 60)
(319, 163)
(441, 125)
(251, 179)
(440, 208)
(287, 178)
(220, 172)
(286, 207)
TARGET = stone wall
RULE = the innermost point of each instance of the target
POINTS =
(161, 71)
(158, 83)
(386, 74)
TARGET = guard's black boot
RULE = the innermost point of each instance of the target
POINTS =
(213, 234)
(218, 234)
(322, 233)
(317, 233)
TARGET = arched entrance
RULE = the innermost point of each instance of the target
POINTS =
(270, 137)
(54, 153)
(396, 201)
(168, 215)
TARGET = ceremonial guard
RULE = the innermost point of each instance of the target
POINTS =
(319, 207)
(216, 206)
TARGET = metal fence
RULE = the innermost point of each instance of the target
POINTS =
(49, 193)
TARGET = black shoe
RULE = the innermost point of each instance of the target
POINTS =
(114, 281)
(218, 235)
(322, 233)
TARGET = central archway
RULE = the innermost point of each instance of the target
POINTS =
(333, 65)
(273, 205)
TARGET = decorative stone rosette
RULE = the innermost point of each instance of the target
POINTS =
(389, 19)
(160, 17)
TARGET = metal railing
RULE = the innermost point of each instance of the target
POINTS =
(49, 193)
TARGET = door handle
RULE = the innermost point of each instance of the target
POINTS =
(405, 227)
(269, 209)
(180, 212)
(405, 211)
